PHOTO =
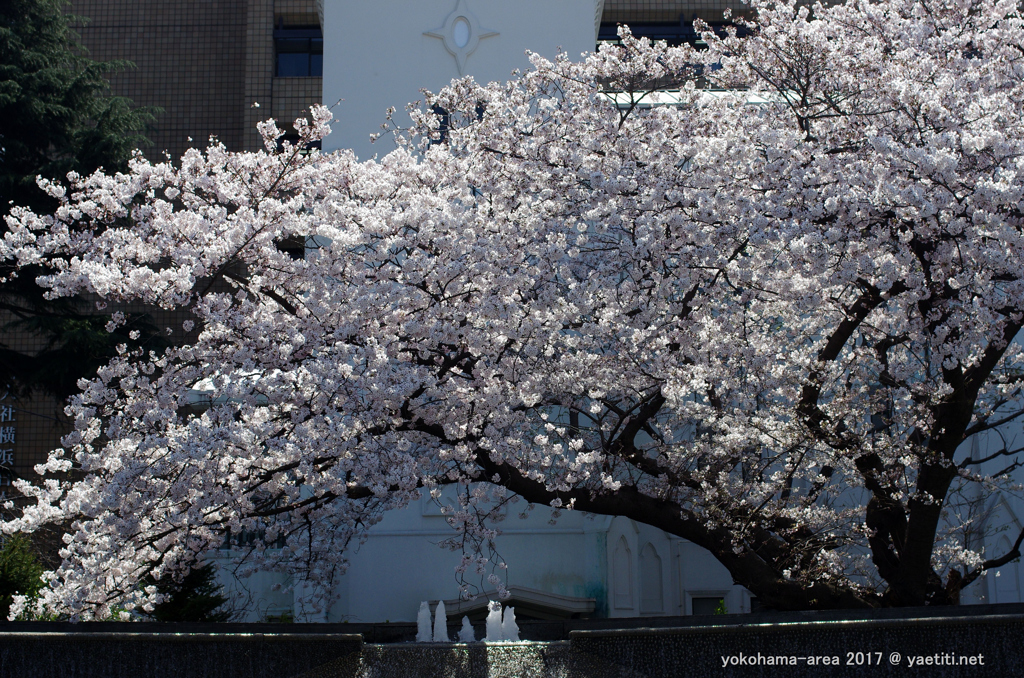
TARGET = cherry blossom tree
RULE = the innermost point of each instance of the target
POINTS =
(768, 318)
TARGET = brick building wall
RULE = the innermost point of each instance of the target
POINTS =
(206, 63)
(190, 58)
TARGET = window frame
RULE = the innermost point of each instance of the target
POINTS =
(314, 47)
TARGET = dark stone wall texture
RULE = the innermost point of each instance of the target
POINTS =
(876, 644)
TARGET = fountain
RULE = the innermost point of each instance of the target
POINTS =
(493, 627)
(509, 628)
(466, 633)
(423, 634)
(440, 624)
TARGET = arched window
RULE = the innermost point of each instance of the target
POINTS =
(651, 590)
(622, 575)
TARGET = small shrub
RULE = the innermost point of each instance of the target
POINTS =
(19, 571)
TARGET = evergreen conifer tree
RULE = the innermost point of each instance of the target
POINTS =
(196, 598)
(57, 115)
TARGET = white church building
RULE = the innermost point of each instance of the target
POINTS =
(378, 55)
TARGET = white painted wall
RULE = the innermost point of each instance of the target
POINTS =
(583, 556)
(997, 516)
(377, 54)
(401, 563)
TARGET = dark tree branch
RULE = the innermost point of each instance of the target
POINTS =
(1010, 555)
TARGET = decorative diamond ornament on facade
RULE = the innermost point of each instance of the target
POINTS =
(461, 33)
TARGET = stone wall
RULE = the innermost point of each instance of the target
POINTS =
(177, 655)
(934, 647)
(905, 643)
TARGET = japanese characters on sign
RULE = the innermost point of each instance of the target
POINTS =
(7, 439)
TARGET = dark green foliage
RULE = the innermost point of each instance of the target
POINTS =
(72, 344)
(56, 116)
(56, 111)
(197, 598)
(19, 571)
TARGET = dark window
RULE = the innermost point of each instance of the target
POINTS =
(299, 52)
(248, 539)
(445, 122)
(674, 34)
(294, 247)
(293, 139)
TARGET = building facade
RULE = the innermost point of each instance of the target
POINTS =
(217, 67)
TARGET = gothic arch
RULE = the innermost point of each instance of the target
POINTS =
(652, 589)
(622, 575)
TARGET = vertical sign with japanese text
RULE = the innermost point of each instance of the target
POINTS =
(7, 437)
